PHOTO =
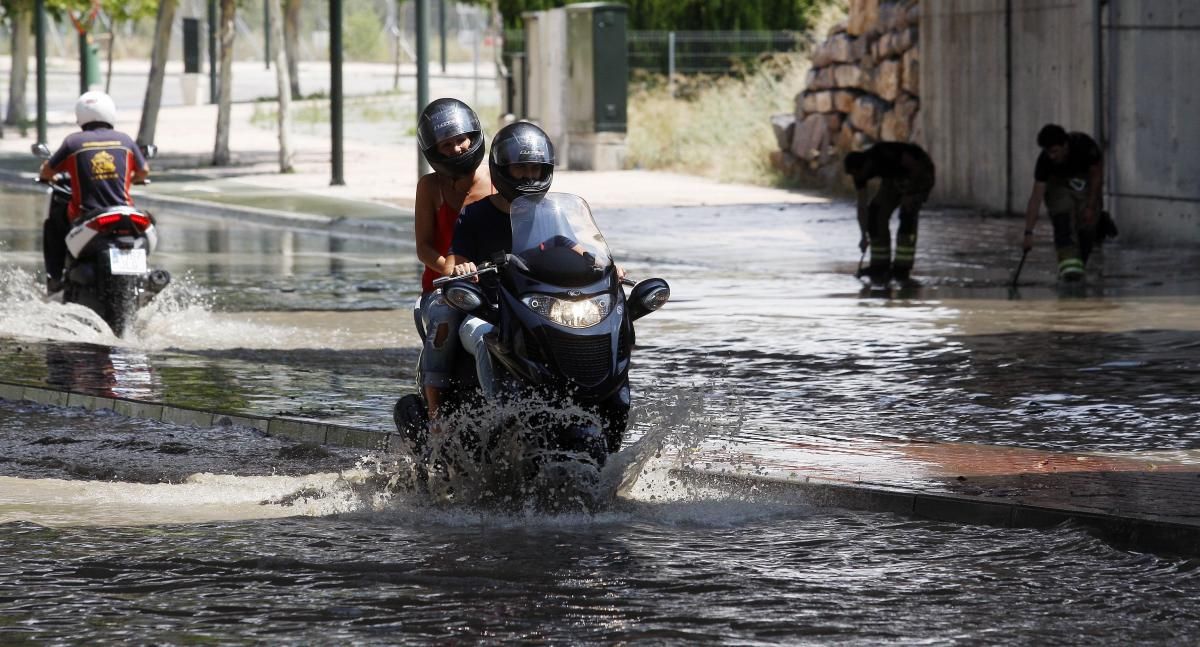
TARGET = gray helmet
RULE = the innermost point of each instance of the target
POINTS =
(521, 142)
(445, 118)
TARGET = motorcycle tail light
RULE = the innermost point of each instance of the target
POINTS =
(108, 220)
(105, 221)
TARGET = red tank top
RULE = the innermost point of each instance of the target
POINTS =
(443, 235)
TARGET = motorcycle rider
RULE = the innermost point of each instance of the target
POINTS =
(452, 141)
(102, 164)
(521, 164)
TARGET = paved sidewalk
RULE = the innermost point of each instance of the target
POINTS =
(1145, 501)
(381, 170)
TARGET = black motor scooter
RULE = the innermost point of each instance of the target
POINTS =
(108, 249)
(562, 340)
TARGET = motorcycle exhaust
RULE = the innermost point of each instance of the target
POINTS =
(158, 280)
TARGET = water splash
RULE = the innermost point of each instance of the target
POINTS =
(29, 314)
(509, 469)
(201, 498)
(183, 317)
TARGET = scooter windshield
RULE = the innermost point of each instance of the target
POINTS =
(557, 239)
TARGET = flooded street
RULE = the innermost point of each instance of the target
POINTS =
(155, 533)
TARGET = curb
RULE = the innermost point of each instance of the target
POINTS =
(299, 430)
(1126, 531)
(256, 215)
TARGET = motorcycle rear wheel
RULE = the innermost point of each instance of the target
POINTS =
(120, 303)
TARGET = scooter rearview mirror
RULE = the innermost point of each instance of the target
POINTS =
(648, 296)
(40, 150)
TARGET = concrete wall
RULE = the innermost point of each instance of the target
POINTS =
(980, 123)
(1052, 78)
(963, 99)
(965, 91)
(1154, 116)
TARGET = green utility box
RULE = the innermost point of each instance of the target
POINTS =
(598, 67)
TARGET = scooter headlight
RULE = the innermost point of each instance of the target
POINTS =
(577, 313)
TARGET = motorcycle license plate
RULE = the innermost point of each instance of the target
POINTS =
(127, 261)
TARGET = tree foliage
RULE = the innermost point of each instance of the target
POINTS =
(117, 10)
(691, 14)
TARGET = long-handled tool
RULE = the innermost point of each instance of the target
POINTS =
(1017, 274)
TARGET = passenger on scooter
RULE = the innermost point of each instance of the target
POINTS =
(521, 164)
(102, 163)
(452, 141)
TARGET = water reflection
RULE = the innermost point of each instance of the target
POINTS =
(101, 371)
(318, 326)
(710, 572)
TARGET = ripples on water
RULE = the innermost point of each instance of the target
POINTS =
(771, 354)
(746, 572)
(666, 563)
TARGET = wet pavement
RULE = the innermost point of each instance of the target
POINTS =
(771, 360)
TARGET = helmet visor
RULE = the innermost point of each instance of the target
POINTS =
(522, 148)
(444, 124)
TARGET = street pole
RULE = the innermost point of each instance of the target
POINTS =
(442, 30)
(335, 90)
(212, 51)
(39, 19)
(267, 33)
(422, 72)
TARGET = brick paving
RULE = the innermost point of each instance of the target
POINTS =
(1130, 494)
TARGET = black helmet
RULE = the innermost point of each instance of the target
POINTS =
(521, 142)
(446, 118)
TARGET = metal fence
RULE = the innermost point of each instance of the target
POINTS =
(711, 52)
(687, 52)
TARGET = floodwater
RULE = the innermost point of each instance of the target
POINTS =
(141, 531)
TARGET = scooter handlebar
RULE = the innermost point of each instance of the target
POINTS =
(489, 267)
(52, 186)
(483, 269)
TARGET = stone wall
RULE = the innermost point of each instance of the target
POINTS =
(863, 87)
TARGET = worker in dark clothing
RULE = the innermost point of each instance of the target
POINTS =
(1069, 178)
(906, 177)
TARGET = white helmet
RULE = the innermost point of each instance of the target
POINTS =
(95, 106)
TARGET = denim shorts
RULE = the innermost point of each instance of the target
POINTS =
(441, 340)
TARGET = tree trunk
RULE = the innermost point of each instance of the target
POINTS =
(225, 82)
(291, 44)
(158, 69)
(22, 41)
(284, 86)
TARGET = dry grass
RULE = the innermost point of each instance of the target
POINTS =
(715, 127)
(720, 127)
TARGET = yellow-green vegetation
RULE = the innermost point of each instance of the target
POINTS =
(716, 127)
(721, 127)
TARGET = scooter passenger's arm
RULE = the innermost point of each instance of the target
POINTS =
(425, 225)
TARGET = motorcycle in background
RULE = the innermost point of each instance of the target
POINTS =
(107, 266)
